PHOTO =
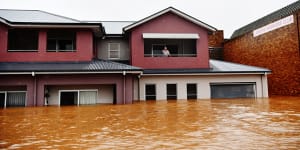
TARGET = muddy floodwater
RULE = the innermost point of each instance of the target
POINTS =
(203, 124)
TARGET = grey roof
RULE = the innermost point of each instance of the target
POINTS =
(223, 66)
(115, 27)
(216, 66)
(281, 13)
(33, 16)
(95, 65)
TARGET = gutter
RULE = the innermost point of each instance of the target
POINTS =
(206, 74)
(94, 72)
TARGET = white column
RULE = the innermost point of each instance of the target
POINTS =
(181, 91)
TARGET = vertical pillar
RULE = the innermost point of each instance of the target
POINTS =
(42, 45)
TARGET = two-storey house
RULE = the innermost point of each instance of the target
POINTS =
(47, 59)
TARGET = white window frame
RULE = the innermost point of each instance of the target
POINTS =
(114, 50)
(5, 96)
(78, 94)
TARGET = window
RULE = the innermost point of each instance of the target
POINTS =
(78, 97)
(12, 99)
(150, 92)
(23, 40)
(191, 91)
(171, 91)
(176, 47)
(114, 50)
(61, 41)
(232, 90)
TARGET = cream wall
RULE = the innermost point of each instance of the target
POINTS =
(105, 92)
(103, 48)
(203, 84)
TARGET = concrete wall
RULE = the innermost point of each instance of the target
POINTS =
(277, 50)
(103, 48)
(168, 23)
(203, 84)
(84, 48)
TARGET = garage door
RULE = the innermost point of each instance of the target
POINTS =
(232, 90)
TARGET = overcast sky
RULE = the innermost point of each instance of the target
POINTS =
(227, 15)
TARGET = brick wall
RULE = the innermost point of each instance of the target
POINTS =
(277, 50)
(215, 43)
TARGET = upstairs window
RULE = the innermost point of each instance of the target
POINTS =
(61, 41)
(114, 50)
(176, 47)
(23, 40)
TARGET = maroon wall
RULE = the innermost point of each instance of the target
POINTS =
(36, 85)
(84, 49)
(19, 80)
(168, 23)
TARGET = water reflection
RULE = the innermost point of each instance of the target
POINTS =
(204, 124)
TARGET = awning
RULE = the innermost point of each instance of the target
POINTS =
(170, 36)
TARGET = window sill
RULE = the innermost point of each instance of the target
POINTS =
(61, 50)
(22, 50)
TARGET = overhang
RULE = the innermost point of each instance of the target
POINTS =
(170, 36)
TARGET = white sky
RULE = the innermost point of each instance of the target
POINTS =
(227, 15)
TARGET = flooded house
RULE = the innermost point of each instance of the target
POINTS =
(47, 59)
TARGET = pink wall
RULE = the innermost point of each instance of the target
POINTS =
(16, 80)
(36, 85)
(84, 49)
(169, 23)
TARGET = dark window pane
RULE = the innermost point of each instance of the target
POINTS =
(171, 91)
(232, 91)
(51, 44)
(150, 92)
(191, 91)
(61, 40)
(2, 99)
(22, 39)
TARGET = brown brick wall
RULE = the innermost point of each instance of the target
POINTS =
(216, 39)
(277, 50)
(215, 42)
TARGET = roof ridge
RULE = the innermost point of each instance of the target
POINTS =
(59, 15)
(275, 15)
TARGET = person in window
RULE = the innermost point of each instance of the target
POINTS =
(166, 52)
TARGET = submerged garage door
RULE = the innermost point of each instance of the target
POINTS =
(232, 90)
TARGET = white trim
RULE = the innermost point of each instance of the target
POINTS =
(170, 9)
(171, 36)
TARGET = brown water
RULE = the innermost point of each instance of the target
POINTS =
(204, 124)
